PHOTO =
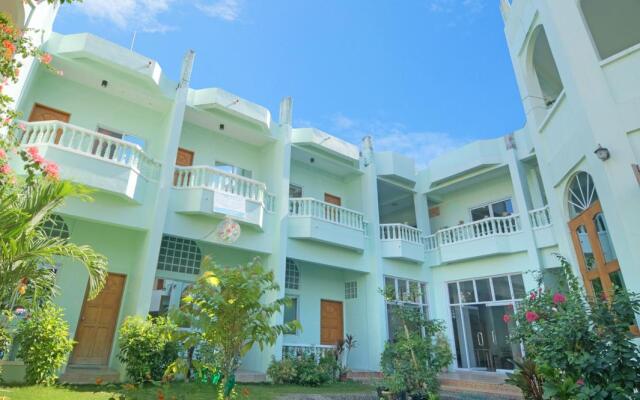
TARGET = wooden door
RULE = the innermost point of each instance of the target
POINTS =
(331, 213)
(184, 158)
(331, 322)
(44, 113)
(97, 325)
(331, 199)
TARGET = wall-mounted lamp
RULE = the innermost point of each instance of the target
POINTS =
(104, 83)
(602, 153)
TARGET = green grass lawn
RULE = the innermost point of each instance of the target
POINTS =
(177, 391)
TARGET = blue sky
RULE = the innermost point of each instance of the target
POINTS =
(421, 76)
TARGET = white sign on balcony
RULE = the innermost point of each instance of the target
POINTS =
(229, 204)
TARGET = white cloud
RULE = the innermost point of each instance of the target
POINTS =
(394, 136)
(128, 14)
(228, 10)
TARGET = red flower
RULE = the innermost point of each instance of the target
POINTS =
(559, 298)
(8, 45)
(532, 296)
(46, 58)
(532, 316)
(51, 170)
(506, 318)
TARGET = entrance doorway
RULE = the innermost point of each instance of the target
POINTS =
(331, 322)
(98, 319)
(480, 330)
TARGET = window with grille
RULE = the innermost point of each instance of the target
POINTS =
(179, 255)
(292, 275)
(56, 227)
(404, 293)
(351, 290)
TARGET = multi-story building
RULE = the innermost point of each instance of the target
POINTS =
(335, 221)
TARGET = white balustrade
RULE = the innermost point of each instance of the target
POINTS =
(206, 177)
(540, 217)
(400, 232)
(430, 242)
(270, 202)
(316, 350)
(487, 227)
(88, 143)
(308, 207)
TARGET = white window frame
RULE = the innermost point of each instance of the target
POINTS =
(287, 261)
(299, 186)
(489, 204)
(297, 318)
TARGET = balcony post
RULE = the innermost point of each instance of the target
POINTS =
(522, 196)
(143, 276)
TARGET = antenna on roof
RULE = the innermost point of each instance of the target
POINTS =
(133, 40)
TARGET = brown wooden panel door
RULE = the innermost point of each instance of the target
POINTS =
(331, 199)
(44, 113)
(97, 325)
(184, 158)
(331, 322)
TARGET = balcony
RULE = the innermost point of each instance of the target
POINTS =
(93, 159)
(542, 228)
(402, 242)
(490, 236)
(208, 191)
(315, 220)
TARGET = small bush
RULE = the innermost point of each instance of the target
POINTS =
(304, 370)
(147, 347)
(44, 344)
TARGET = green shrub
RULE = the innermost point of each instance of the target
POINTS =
(147, 347)
(283, 371)
(304, 370)
(44, 344)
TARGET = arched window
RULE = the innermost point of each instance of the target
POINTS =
(582, 193)
(292, 275)
(545, 68)
(613, 24)
(56, 227)
(179, 255)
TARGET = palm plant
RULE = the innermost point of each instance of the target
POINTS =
(25, 248)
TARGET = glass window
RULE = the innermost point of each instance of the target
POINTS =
(596, 284)
(502, 208)
(291, 313)
(585, 246)
(605, 240)
(232, 169)
(179, 255)
(295, 191)
(501, 288)
(467, 292)
(484, 290)
(582, 193)
(56, 227)
(480, 213)
(292, 275)
(616, 279)
(402, 290)
(517, 283)
(350, 290)
(453, 293)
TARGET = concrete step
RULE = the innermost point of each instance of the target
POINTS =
(364, 376)
(477, 385)
(81, 375)
(250, 377)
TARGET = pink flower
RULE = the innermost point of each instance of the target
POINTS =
(506, 318)
(532, 316)
(51, 170)
(3, 154)
(35, 156)
(22, 127)
(580, 382)
(46, 58)
(532, 296)
(559, 298)
(5, 169)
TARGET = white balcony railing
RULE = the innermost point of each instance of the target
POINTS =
(89, 143)
(205, 177)
(308, 207)
(316, 350)
(431, 242)
(270, 202)
(540, 218)
(487, 227)
(400, 232)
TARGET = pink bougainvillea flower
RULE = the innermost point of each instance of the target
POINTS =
(506, 318)
(51, 170)
(5, 169)
(532, 316)
(3, 154)
(559, 298)
(35, 155)
(22, 127)
(46, 58)
(532, 296)
(580, 382)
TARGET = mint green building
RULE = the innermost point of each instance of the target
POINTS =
(337, 221)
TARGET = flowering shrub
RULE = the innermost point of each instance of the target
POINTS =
(581, 347)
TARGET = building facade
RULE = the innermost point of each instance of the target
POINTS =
(336, 221)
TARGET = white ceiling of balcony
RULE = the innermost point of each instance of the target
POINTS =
(324, 162)
(393, 199)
